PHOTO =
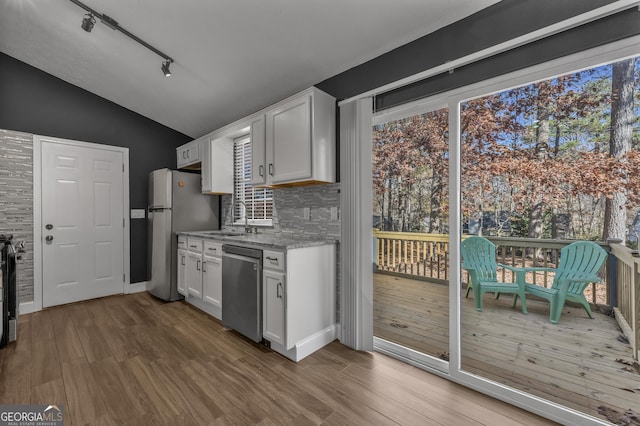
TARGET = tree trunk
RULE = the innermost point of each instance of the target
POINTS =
(434, 212)
(536, 214)
(615, 216)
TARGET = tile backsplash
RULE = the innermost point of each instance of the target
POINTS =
(16, 202)
(288, 208)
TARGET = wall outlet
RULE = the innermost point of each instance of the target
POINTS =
(334, 213)
(306, 213)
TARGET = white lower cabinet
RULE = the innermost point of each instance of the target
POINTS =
(182, 269)
(200, 275)
(274, 306)
(298, 299)
(212, 274)
(194, 274)
(298, 292)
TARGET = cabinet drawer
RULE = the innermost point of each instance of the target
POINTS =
(213, 249)
(194, 245)
(273, 260)
(182, 242)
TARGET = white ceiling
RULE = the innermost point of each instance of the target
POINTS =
(232, 57)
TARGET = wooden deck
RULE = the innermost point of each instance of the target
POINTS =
(579, 363)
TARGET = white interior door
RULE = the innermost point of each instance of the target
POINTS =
(82, 222)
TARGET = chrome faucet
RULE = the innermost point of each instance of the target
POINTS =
(246, 222)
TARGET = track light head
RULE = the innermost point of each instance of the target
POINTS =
(88, 22)
(165, 67)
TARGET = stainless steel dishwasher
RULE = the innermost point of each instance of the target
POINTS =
(242, 290)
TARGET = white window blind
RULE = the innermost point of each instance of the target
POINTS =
(258, 201)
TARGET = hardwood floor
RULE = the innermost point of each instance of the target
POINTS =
(579, 363)
(133, 360)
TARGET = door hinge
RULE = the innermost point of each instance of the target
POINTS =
(124, 278)
(122, 167)
(123, 222)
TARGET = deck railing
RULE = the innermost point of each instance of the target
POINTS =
(627, 311)
(426, 256)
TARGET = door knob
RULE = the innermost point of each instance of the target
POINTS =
(49, 226)
(49, 238)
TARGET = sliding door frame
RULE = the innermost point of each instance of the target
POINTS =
(580, 61)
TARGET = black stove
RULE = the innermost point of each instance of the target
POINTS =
(9, 302)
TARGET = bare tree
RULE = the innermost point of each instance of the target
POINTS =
(622, 118)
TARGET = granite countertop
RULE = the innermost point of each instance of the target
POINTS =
(259, 240)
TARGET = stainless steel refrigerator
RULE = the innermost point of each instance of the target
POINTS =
(176, 204)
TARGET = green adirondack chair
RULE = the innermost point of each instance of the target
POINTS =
(479, 259)
(579, 265)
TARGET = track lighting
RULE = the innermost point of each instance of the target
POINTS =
(88, 22)
(165, 68)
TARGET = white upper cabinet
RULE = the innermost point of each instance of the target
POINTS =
(217, 165)
(258, 151)
(292, 143)
(188, 155)
(300, 145)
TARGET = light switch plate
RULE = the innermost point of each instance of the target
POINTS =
(306, 213)
(138, 213)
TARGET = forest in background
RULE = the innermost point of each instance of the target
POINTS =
(558, 158)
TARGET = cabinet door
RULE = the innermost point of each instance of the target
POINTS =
(217, 166)
(194, 274)
(212, 280)
(258, 151)
(188, 154)
(182, 268)
(289, 138)
(274, 307)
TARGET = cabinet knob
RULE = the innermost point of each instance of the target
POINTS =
(261, 170)
(197, 265)
(271, 169)
(279, 291)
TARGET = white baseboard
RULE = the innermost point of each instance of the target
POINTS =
(135, 287)
(309, 345)
(27, 308)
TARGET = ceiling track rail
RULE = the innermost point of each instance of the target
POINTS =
(113, 24)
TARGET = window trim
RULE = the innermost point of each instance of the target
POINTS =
(240, 221)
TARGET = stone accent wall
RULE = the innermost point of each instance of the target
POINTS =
(16, 202)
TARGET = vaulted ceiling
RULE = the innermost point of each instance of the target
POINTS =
(232, 57)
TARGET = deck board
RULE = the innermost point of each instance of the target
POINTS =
(573, 363)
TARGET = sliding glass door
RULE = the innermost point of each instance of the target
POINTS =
(410, 241)
(527, 163)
